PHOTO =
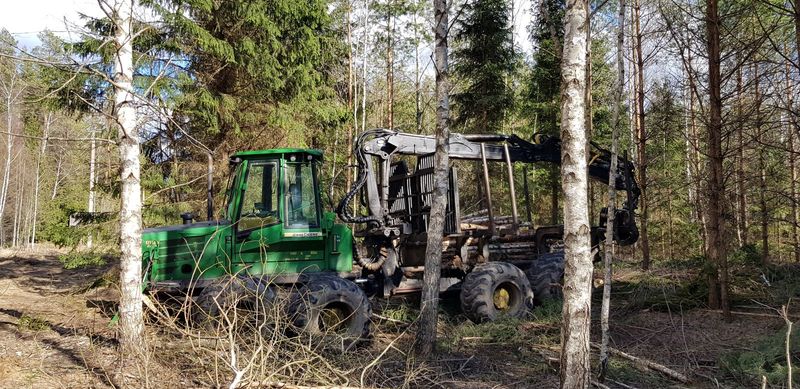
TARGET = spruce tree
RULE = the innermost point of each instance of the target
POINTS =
(483, 61)
(254, 68)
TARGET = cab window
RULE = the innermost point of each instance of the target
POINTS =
(301, 197)
(260, 199)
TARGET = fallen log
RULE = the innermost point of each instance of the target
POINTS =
(645, 365)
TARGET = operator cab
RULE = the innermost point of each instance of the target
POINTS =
(261, 177)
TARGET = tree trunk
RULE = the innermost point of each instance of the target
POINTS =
(17, 209)
(716, 250)
(9, 90)
(364, 71)
(130, 215)
(48, 119)
(741, 199)
(390, 66)
(695, 152)
(762, 165)
(575, 362)
(57, 178)
(351, 97)
(92, 158)
(608, 255)
(689, 130)
(426, 337)
(417, 81)
(641, 139)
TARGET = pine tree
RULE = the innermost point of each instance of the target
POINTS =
(482, 62)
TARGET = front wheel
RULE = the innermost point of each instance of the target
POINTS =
(332, 306)
(495, 289)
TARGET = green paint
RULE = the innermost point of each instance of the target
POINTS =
(275, 226)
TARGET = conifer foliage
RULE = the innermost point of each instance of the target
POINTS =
(483, 61)
(252, 65)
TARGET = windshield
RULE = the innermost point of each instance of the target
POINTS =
(260, 198)
(301, 206)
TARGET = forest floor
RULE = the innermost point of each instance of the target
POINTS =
(54, 332)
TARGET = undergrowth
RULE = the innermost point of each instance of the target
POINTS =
(541, 327)
(766, 358)
(82, 259)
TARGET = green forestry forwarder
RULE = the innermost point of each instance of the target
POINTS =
(275, 236)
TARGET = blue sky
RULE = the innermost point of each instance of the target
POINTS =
(26, 18)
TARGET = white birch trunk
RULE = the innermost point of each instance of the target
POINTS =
(575, 363)
(92, 160)
(130, 310)
(57, 179)
(48, 120)
(9, 90)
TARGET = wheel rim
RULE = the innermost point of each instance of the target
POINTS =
(505, 297)
(335, 317)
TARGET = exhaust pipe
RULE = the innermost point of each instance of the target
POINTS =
(210, 187)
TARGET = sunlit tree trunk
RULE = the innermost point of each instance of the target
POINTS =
(575, 361)
(11, 91)
(426, 335)
(130, 215)
(92, 160)
(48, 120)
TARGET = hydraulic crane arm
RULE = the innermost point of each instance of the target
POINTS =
(384, 144)
(468, 147)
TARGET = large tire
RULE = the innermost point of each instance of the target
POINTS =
(546, 276)
(250, 294)
(209, 304)
(332, 306)
(495, 289)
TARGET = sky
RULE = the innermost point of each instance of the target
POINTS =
(26, 18)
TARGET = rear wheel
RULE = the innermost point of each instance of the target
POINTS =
(332, 306)
(495, 289)
(546, 276)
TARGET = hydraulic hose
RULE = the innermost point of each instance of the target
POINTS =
(343, 209)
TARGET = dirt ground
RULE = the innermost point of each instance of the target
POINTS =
(56, 334)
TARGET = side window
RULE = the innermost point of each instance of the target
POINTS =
(260, 200)
(301, 196)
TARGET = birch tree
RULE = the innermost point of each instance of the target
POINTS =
(426, 336)
(130, 215)
(11, 88)
(575, 363)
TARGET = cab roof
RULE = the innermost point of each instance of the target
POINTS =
(272, 153)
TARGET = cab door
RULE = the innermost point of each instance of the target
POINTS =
(277, 231)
